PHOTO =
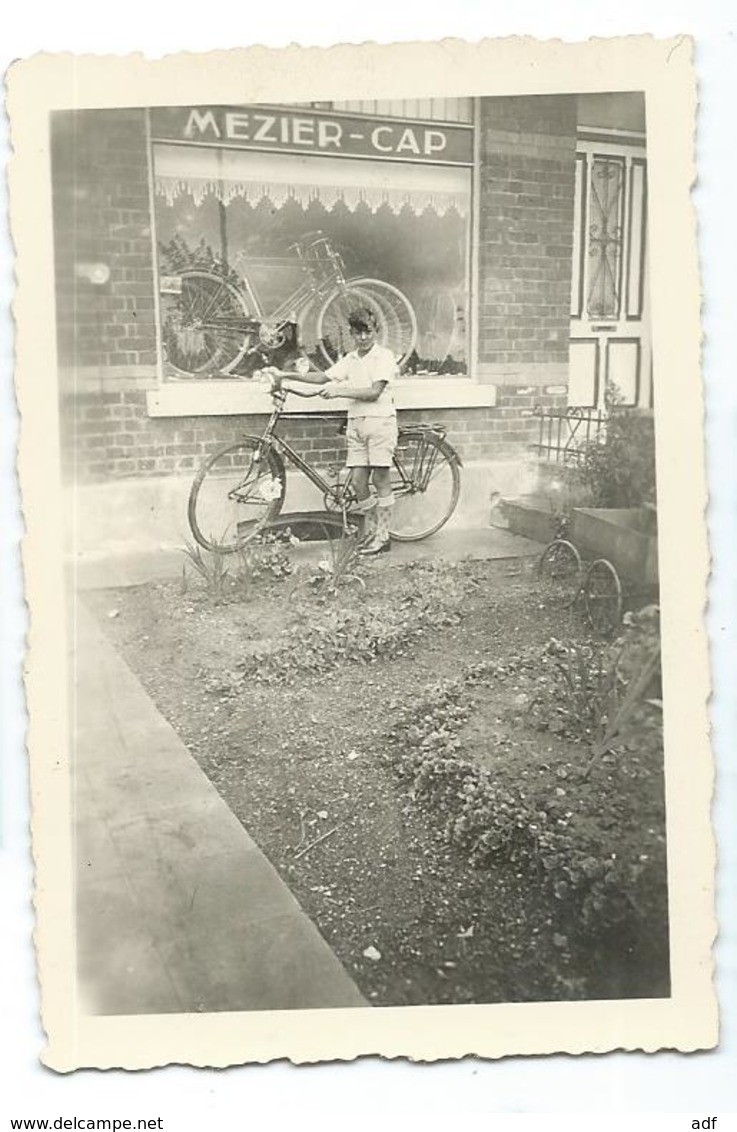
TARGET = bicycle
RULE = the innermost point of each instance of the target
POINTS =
(210, 325)
(240, 489)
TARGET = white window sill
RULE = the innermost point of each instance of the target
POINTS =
(235, 398)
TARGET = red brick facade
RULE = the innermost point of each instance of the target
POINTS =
(110, 434)
(527, 165)
(107, 333)
(102, 214)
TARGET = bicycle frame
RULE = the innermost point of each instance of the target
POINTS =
(311, 288)
(416, 479)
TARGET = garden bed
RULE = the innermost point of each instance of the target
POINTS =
(346, 729)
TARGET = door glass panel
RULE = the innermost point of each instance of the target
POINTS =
(605, 237)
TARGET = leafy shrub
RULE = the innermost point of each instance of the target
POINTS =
(620, 470)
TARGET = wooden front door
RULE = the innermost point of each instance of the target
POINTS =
(610, 332)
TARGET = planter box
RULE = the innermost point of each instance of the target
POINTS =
(620, 534)
(529, 519)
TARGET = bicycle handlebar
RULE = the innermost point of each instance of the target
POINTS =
(276, 388)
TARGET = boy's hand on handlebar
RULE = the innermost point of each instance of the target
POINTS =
(274, 375)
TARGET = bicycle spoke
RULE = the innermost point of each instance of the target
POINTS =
(214, 298)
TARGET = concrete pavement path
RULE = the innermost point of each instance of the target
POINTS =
(177, 908)
(90, 572)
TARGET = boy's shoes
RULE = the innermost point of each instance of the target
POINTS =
(375, 546)
(366, 539)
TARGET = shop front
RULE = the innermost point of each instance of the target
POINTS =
(500, 242)
(267, 220)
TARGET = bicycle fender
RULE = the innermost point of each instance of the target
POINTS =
(442, 443)
(450, 451)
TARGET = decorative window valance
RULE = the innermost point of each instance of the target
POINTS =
(253, 177)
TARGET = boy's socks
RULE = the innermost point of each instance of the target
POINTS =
(385, 505)
(367, 508)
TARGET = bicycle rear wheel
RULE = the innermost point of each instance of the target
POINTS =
(236, 492)
(426, 482)
(397, 325)
(207, 326)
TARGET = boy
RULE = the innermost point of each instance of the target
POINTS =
(365, 377)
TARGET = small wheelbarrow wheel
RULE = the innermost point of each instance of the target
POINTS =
(602, 592)
(560, 570)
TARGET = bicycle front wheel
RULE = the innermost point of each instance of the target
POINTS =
(206, 327)
(236, 492)
(397, 325)
(426, 482)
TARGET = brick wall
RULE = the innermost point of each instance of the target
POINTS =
(112, 436)
(102, 216)
(528, 148)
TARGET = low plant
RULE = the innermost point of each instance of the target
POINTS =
(210, 566)
(340, 567)
(589, 830)
(604, 694)
(577, 691)
(327, 636)
(267, 556)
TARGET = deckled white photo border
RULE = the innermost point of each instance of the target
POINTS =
(664, 71)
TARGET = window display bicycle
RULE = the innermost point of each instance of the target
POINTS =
(240, 489)
(213, 319)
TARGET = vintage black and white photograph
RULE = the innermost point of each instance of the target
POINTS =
(359, 415)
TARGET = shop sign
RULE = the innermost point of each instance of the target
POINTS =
(296, 131)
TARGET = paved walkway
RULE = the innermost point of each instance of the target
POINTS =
(136, 569)
(177, 908)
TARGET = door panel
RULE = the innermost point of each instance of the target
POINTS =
(623, 368)
(583, 378)
(609, 305)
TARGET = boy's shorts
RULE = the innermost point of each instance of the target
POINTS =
(371, 442)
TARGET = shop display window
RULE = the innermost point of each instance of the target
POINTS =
(263, 254)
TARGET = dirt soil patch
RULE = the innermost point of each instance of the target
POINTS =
(291, 706)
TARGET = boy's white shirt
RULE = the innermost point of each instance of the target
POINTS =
(360, 372)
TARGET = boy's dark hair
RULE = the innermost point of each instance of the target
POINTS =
(363, 318)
